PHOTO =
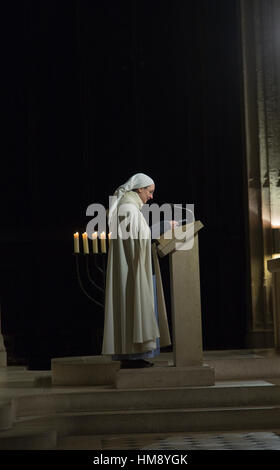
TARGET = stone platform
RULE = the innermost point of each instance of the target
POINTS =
(84, 370)
(36, 414)
(98, 370)
(166, 377)
(244, 364)
(224, 365)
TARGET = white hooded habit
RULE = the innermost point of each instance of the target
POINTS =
(130, 325)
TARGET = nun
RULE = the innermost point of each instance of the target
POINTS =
(135, 324)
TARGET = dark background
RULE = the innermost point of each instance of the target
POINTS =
(93, 93)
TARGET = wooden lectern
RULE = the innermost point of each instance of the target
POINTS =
(181, 245)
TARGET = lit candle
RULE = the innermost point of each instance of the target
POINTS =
(103, 242)
(76, 243)
(85, 242)
(94, 242)
(109, 237)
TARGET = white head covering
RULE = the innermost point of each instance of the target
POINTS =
(139, 180)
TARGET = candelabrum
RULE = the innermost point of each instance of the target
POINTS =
(91, 275)
(91, 265)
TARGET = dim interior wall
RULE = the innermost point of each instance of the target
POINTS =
(261, 72)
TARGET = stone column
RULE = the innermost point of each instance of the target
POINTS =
(274, 267)
(260, 22)
(3, 354)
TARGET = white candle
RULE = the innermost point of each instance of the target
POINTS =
(85, 242)
(94, 242)
(76, 243)
(109, 237)
(103, 242)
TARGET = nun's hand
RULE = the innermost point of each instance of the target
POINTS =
(173, 223)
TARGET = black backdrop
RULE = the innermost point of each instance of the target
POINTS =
(94, 92)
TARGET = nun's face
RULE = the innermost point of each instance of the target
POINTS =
(147, 193)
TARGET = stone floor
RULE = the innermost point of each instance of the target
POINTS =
(176, 441)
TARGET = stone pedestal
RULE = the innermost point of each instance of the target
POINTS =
(186, 308)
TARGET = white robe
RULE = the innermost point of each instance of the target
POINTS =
(130, 324)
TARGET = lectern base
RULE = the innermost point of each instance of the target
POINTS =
(162, 377)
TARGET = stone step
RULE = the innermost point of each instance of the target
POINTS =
(26, 439)
(19, 377)
(89, 370)
(3, 358)
(227, 365)
(7, 414)
(38, 431)
(95, 399)
(171, 377)
(245, 367)
(84, 370)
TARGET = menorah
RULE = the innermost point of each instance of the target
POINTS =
(93, 264)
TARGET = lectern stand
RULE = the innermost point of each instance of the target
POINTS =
(185, 295)
(181, 245)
